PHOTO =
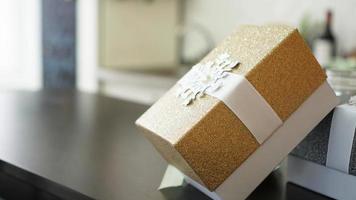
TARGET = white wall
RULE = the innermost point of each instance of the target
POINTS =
(87, 47)
(222, 16)
(20, 45)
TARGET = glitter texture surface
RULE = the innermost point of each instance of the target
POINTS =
(352, 167)
(314, 147)
(206, 135)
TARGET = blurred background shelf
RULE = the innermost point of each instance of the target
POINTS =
(136, 86)
(115, 45)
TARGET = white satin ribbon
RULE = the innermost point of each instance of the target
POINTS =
(248, 105)
(341, 138)
(215, 79)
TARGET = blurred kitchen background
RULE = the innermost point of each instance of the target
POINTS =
(136, 49)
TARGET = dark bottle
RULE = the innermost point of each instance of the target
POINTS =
(324, 46)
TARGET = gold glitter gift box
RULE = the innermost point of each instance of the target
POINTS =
(216, 147)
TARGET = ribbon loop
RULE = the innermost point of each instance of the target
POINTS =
(341, 138)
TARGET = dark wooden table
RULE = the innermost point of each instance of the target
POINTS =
(72, 145)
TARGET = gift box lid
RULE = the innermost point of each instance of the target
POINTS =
(332, 142)
(206, 140)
